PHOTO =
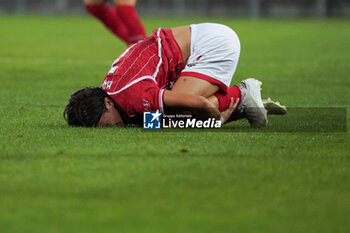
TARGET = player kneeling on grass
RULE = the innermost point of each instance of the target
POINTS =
(189, 68)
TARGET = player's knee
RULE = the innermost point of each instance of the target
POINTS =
(94, 2)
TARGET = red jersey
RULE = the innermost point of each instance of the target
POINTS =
(139, 76)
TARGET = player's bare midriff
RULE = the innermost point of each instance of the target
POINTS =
(182, 36)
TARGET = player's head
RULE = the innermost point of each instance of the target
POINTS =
(91, 107)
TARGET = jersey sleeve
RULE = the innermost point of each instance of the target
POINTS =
(152, 97)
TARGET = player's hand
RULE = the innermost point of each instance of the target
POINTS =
(225, 115)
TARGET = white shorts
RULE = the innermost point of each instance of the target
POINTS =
(214, 54)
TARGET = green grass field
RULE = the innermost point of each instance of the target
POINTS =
(59, 179)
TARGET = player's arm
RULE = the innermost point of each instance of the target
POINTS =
(197, 103)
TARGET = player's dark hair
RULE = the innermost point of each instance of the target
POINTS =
(85, 107)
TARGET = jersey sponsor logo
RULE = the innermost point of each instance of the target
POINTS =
(151, 120)
(146, 105)
(107, 84)
(194, 63)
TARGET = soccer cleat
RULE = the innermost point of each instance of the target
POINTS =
(251, 105)
(274, 107)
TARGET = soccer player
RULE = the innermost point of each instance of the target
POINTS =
(122, 20)
(189, 67)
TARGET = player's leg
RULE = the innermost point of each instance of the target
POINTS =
(251, 105)
(195, 86)
(127, 13)
(221, 100)
(108, 16)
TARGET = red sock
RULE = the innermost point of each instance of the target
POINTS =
(224, 100)
(110, 19)
(131, 20)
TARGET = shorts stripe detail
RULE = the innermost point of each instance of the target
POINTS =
(213, 81)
